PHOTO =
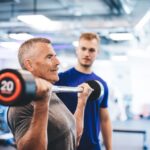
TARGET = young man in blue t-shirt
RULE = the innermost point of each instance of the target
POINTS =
(96, 113)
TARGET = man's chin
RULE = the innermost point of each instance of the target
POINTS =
(54, 80)
(86, 65)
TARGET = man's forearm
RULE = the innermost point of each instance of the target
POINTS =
(107, 134)
(106, 128)
(79, 113)
(79, 116)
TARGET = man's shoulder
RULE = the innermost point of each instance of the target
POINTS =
(99, 78)
(19, 110)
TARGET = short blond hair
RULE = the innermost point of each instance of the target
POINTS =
(90, 36)
(27, 47)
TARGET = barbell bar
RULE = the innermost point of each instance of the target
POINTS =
(18, 88)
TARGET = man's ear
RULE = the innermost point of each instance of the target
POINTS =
(28, 65)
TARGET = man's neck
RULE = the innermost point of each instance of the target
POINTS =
(86, 70)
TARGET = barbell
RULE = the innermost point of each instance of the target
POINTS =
(18, 88)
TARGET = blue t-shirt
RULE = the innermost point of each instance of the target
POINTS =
(90, 137)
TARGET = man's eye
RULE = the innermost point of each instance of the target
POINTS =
(49, 57)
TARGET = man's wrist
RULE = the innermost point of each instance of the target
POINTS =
(81, 102)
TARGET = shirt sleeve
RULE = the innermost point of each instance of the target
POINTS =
(19, 119)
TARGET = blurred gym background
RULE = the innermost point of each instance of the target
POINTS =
(124, 61)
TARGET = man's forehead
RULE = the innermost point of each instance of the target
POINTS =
(89, 44)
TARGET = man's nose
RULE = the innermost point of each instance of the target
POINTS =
(56, 60)
(87, 53)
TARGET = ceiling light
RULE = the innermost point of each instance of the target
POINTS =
(121, 36)
(40, 22)
(20, 36)
(10, 45)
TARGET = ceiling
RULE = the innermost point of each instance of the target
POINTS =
(76, 16)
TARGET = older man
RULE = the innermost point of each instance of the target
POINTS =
(45, 123)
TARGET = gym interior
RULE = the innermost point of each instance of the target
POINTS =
(123, 62)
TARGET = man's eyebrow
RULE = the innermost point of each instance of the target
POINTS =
(83, 47)
(49, 55)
